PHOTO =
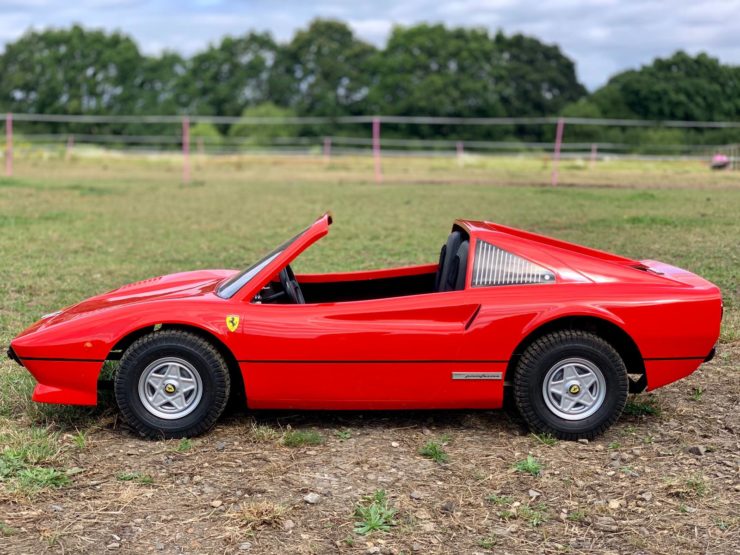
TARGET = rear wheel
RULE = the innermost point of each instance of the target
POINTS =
(171, 384)
(571, 384)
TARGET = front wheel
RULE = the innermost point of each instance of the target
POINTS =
(571, 384)
(171, 384)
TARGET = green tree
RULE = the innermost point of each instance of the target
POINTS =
(228, 77)
(263, 134)
(430, 70)
(680, 87)
(205, 135)
(539, 78)
(323, 71)
(70, 71)
(433, 70)
(159, 81)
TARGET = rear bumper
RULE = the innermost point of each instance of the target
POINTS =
(661, 372)
(67, 382)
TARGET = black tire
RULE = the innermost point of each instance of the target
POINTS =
(543, 357)
(195, 354)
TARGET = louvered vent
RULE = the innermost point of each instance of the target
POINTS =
(495, 266)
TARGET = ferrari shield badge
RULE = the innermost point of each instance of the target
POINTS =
(232, 322)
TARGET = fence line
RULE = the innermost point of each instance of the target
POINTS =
(377, 145)
(417, 120)
(51, 139)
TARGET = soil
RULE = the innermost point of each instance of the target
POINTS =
(654, 483)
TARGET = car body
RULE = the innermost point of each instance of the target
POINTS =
(391, 338)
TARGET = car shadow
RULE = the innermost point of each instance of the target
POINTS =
(505, 420)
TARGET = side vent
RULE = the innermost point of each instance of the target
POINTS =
(495, 266)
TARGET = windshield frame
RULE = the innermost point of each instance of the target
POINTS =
(233, 284)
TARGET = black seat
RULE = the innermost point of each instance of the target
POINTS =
(461, 265)
(452, 257)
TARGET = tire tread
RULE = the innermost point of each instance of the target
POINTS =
(528, 364)
(190, 341)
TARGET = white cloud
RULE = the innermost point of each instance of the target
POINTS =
(372, 30)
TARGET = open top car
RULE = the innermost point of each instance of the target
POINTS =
(568, 329)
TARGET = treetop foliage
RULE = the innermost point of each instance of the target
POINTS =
(681, 87)
(325, 70)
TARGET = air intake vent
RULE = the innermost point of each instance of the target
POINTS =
(495, 266)
(139, 283)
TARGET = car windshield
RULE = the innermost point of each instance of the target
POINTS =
(231, 286)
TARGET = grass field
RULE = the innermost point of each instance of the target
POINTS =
(70, 230)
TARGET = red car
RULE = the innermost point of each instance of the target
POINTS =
(567, 329)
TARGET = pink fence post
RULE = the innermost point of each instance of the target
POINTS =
(460, 153)
(186, 149)
(376, 150)
(556, 152)
(9, 144)
(70, 146)
(327, 149)
(594, 153)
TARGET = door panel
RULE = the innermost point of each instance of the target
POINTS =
(373, 385)
(393, 353)
(407, 329)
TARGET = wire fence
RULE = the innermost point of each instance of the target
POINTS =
(376, 136)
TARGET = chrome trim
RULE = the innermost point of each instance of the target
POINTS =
(50, 315)
(574, 389)
(495, 266)
(477, 375)
(170, 388)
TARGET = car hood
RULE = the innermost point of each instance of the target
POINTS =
(173, 286)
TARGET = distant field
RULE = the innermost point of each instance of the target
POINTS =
(92, 163)
(70, 230)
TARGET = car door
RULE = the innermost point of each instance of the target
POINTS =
(402, 352)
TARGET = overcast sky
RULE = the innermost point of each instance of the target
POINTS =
(602, 36)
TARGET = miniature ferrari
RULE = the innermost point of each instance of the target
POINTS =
(568, 331)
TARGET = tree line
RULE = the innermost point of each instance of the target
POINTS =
(325, 70)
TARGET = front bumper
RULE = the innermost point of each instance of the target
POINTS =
(66, 382)
(12, 356)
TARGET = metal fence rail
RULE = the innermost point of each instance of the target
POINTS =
(360, 135)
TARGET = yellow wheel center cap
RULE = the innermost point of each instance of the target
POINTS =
(574, 389)
(169, 388)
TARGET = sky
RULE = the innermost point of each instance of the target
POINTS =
(602, 36)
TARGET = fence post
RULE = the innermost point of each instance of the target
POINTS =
(9, 144)
(70, 146)
(594, 153)
(376, 150)
(327, 149)
(460, 153)
(186, 149)
(556, 152)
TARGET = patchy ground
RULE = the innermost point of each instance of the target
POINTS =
(665, 479)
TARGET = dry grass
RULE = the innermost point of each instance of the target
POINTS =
(641, 488)
(262, 433)
(256, 515)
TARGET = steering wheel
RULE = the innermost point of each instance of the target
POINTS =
(290, 285)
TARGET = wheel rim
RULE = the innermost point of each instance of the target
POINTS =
(574, 389)
(170, 388)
